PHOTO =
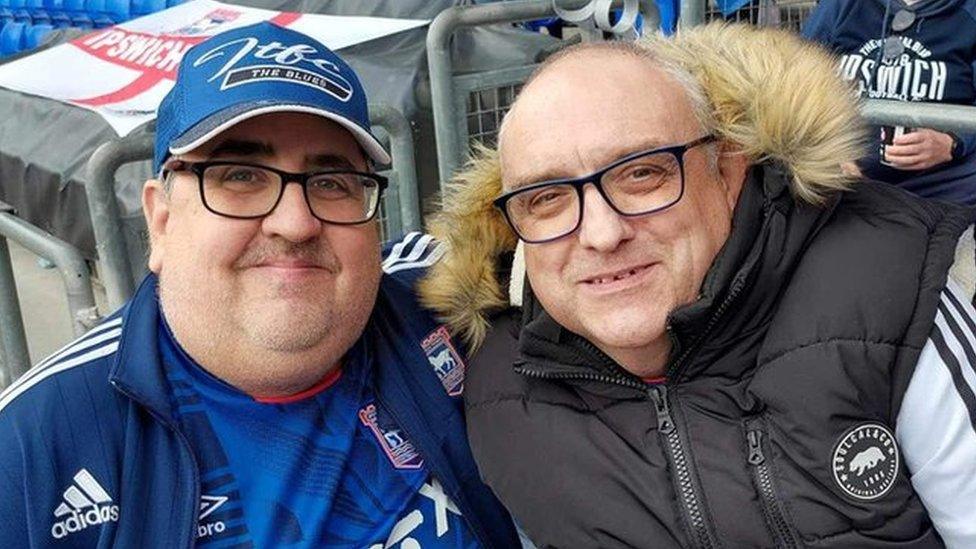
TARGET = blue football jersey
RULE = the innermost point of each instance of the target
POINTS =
(327, 468)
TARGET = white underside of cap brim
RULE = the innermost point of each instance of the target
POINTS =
(368, 142)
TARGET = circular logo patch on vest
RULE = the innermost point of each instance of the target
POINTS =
(865, 461)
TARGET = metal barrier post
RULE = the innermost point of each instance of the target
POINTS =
(74, 273)
(450, 147)
(939, 116)
(116, 272)
(404, 163)
(692, 13)
(69, 262)
(13, 341)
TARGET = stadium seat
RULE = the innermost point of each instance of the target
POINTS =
(38, 13)
(145, 7)
(60, 20)
(35, 34)
(82, 21)
(20, 11)
(6, 15)
(12, 38)
(171, 3)
(95, 9)
(118, 10)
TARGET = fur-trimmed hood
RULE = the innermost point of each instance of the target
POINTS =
(775, 96)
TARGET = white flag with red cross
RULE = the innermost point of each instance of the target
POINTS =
(123, 72)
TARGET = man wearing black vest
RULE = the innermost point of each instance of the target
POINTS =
(719, 340)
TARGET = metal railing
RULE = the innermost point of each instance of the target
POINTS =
(403, 170)
(938, 116)
(74, 273)
(448, 92)
(400, 211)
(484, 98)
(692, 12)
(115, 269)
(786, 14)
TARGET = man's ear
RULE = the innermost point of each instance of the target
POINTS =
(155, 206)
(732, 166)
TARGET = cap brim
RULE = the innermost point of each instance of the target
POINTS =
(211, 126)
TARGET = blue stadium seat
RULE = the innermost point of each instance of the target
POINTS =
(118, 10)
(6, 15)
(171, 3)
(145, 7)
(35, 34)
(82, 21)
(12, 37)
(60, 20)
(95, 9)
(38, 13)
(20, 11)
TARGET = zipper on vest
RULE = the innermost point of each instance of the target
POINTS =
(762, 475)
(672, 371)
(674, 452)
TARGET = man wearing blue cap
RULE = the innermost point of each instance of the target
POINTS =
(269, 384)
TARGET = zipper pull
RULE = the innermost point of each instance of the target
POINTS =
(659, 394)
(756, 456)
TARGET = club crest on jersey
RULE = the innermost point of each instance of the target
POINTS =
(445, 360)
(391, 439)
(865, 462)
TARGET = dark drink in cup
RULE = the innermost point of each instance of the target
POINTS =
(888, 135)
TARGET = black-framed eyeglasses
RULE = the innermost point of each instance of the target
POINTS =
(249, 191)
(638, 184)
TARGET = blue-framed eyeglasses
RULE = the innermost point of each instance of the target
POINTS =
(638, 184)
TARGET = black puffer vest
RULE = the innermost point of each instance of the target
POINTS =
(775, 426)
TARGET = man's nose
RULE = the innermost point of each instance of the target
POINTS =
(292, 218)
(602, 228)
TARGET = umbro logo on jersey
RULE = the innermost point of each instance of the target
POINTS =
(208, 505)
(85, 503)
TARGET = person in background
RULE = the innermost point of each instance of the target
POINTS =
(909, 50)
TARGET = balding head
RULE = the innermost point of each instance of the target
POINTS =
(584, 89)
(616, 61)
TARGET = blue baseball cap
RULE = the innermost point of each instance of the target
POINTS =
(254, 70)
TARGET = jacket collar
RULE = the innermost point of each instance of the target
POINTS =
(769, 232)
(138, 370)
